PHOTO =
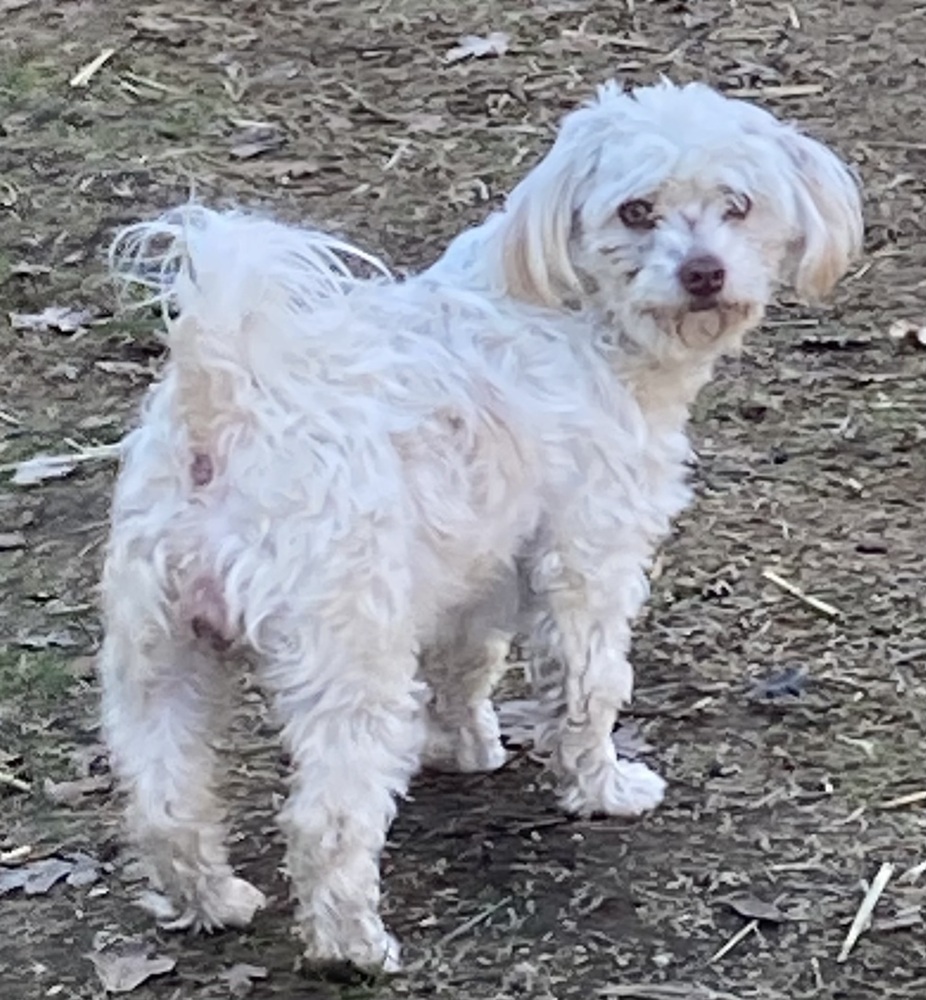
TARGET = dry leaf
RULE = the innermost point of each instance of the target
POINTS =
(57, 639)
(24, 268)
(156, 904)
(64, 369)
(42, 875)
(283, 170)
(124, 971)
(60, 318)
(124, 368)
(37, 877)
(479, 47)
(425, 122)
(910, 916)
(68, 793)
(83, 668)
(277, 74)
(257, 139)
(86, 871)
(240, 978)
(755, 909)
(156, 24)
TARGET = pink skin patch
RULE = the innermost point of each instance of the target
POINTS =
(201, 471)
(207, 613)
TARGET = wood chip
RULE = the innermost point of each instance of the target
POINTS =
(124, 973)
(11, 540)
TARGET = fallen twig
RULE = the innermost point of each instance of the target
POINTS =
(912, 875)
(37, 469)
(11, 781)
(468, 925)
(790, 588)
(743, 932)
(782, 90)
(665, 991)
(863, 916)
(911, 799)
(16, 855)
(86, 73)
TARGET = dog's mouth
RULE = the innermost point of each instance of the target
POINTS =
(705, 321)
(704, 305)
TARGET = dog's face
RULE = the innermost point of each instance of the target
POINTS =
(677, 211)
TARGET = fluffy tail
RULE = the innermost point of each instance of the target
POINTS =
(237, 294)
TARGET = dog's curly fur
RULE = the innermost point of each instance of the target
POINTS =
(365, 482)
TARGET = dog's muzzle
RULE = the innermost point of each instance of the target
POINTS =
(702, 276)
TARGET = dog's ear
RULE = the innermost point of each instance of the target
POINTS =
(829, 214)
(537, 224)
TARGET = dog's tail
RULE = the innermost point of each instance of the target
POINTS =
(237, 293)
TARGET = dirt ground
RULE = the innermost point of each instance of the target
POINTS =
(783, 730)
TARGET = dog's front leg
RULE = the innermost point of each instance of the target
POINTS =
(592, 598)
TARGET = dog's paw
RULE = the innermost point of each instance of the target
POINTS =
(469, 749)
(226, 902)
(467, 757)
(377, 954)
(619, 788)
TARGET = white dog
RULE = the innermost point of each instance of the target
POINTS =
(362, 481)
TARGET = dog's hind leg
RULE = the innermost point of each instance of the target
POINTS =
(161, 698)
(462, 669)
(351, 707)
(462, 725)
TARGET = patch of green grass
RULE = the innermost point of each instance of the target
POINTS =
(38, 677)
(24, 77)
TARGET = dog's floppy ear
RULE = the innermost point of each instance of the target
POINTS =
(536, 226)
(829, 214)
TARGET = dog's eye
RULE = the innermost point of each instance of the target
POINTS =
(739, 207)
(638, 214)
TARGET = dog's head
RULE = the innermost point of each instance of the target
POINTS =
(678, 210)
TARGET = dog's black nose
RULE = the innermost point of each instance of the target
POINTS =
(702, 276)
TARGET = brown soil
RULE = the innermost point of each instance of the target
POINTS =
(812, 463)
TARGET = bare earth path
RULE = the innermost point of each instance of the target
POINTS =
(812, 464)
